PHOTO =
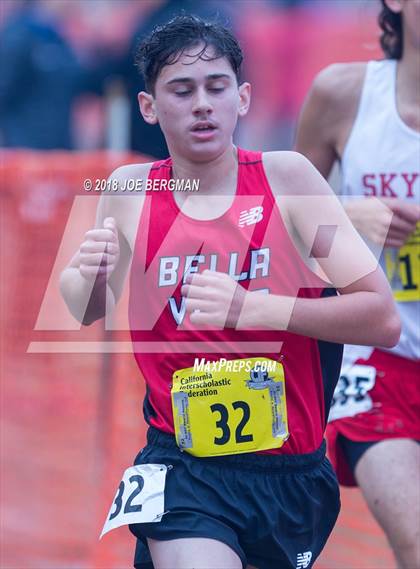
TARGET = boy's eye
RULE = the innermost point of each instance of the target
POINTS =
(184, 92)
(216, 89)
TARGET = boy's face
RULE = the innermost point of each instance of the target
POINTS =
(197, 103)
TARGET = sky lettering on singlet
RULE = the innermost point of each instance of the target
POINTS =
(391, 184)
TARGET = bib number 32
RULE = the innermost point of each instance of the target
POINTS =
(223, 424)
(139, 498)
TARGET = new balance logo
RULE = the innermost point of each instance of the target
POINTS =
(251, 216)
(303, 559)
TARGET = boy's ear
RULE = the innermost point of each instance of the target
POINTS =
(244, 98)
(147, 107)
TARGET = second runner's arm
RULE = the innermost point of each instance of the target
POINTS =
(323, 130)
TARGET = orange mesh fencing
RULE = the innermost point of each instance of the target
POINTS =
(58, 409)
(72, 422)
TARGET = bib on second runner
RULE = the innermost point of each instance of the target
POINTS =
(403, 269)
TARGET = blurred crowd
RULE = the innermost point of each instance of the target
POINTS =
(68, 78)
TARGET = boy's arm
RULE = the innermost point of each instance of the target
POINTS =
(364, 313)
(93, 281)
(85, 283)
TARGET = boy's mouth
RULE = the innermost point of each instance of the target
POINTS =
(203, 126)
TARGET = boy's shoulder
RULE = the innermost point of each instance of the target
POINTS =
(131, 172)
(339, 84)
(125, 202)
(285, 169)
(329, 111)
(290, 173)
(335, 93)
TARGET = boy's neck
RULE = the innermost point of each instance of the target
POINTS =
(218, 176)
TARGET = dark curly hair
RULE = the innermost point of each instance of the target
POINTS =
(392, 32)
(166, 44)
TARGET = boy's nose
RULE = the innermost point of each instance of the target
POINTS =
(201, 103)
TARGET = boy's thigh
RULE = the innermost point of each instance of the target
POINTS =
(193, 553)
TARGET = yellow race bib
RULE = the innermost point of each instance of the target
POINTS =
(403, 269)
(230, 407)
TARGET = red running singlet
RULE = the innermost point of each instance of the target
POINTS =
(250, 242)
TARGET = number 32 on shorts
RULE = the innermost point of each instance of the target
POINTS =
(139, 498)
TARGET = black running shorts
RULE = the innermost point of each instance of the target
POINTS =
(274, 511)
